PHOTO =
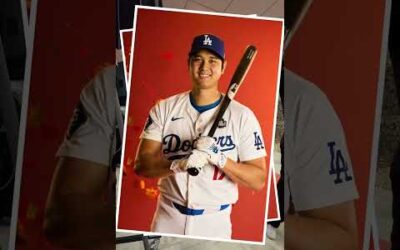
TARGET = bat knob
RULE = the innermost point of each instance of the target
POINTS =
(193, 171)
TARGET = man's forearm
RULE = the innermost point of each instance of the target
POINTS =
(310, 233)
(245, 174)
(150, 166)
(81, 222)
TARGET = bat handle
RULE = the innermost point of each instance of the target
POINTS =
(224, 105)
(212, 130)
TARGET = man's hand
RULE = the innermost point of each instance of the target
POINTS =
(209, 146)
(197, 159)
(179, 166)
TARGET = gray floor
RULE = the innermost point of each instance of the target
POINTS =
(389, 141)
(383, 203)
(172, 243)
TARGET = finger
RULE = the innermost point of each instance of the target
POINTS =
(204, 142)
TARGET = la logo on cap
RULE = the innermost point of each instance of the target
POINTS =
(207, 40)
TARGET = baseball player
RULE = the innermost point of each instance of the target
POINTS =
(200, 205)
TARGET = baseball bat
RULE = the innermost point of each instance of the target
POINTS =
(236, 81)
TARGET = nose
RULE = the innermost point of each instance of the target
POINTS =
(204, 64)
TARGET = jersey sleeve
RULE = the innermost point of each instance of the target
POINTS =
(316, 156)
(251, 144)
(153, 127)
(92, 127)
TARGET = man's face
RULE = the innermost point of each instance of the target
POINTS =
(205, 69)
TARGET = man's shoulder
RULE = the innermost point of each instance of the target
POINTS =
(173, 100)
(239, 108)
(106, 74)
(299, 91)
(308, 109)
(103, 82)
(177, 97)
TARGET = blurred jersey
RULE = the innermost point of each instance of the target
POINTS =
(318, 169)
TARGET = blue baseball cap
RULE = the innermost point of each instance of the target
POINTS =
(208, 42)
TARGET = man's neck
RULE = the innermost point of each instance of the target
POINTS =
(205, 96)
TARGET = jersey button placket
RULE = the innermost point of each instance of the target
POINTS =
(192, 190)
(198, 127)
(189, 190)
(189, 204)
(200, 124)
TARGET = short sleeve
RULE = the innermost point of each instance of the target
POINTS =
(153, 127)
(92, 127)
(251, 139)
(316, 156)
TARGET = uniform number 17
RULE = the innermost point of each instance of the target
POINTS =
(218, 174)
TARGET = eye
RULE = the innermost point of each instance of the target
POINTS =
(213, 61)
(197, 59)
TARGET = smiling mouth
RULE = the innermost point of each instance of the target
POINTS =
(204, 76)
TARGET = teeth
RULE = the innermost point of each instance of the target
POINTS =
(204, 75)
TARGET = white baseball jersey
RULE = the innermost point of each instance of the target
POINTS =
(91, 133)
(318, 169)
(176, 123)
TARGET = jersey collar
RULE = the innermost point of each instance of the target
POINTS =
(204, 108)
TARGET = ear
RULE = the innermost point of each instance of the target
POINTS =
(224, 63)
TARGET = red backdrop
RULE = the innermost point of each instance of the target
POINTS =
(162, 41)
